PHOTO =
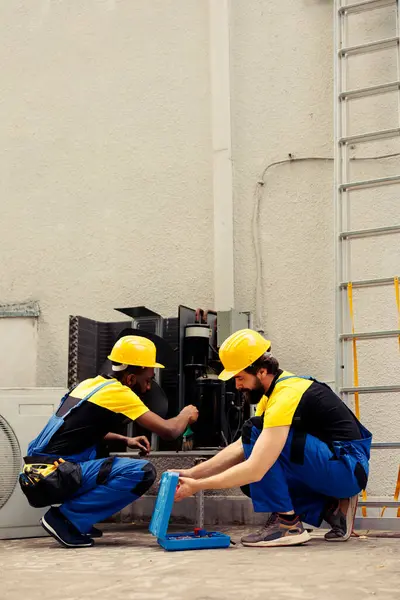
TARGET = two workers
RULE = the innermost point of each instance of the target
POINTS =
(303, 457)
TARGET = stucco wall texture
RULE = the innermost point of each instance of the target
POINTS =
(106, 161)
(107, 174)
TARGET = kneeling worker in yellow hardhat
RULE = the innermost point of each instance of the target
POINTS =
(60, 467)
(304, 454)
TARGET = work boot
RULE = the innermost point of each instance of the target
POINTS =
(63, 530)
(278, 531)
(94, 533)
(340, 516)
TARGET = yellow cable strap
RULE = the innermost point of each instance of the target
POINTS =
(355, 372)
(354, 342)
(397, 292)
(397, 492)
(396, 495)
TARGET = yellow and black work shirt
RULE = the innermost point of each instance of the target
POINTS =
(86, 425)
(311, 406)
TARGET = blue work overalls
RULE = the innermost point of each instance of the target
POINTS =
(308, 472)
(107, 485)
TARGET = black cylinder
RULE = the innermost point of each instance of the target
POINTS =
(196, 345)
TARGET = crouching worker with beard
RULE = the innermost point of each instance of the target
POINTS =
(304, 456)
(61, 465)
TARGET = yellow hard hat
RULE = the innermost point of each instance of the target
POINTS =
(240, 350)
(136, 351)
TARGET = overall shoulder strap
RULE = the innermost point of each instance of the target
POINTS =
(295, 377)
(89, 395)
(98, 388)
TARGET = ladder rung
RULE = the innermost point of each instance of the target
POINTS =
(370, 136)
(374, 389)
(386, 445)
(370, 47)
(373, 90)
(369, 183)
(386, 527)
(370, 335)
(379, 503)
(370, 232)
(368, 282)
(366, 5)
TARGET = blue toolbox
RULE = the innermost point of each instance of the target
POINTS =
(191, 540)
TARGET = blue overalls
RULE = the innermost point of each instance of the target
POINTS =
(107, 485)
(308, 472)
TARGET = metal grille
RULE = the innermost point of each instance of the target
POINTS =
(89, 344)
(149, 324)
(10, 461)
(73, 351)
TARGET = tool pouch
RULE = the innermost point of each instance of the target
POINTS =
(45, 484)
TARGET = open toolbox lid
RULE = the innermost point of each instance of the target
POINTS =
(164, 503)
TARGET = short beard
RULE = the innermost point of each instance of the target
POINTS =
(254, 396)
(136, 390)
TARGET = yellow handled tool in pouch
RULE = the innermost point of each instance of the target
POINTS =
(33, 473)
(49, 481)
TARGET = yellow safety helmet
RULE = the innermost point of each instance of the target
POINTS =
(240, 350)
(136, 351)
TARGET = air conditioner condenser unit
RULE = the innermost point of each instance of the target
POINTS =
(23, 414)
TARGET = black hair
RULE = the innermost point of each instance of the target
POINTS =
(266, 361)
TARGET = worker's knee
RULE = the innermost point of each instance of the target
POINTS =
(251, 429)
(149, 477)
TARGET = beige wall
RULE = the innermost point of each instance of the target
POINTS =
(106, 161)
(282, 103)
(18, 351)
(107, 172)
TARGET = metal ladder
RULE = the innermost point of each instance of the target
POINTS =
(346, 336)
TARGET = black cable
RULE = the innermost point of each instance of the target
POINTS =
(255, 221)
(213, 349)
(256, 215)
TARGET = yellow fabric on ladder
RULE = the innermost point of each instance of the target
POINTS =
(397, 492)
(355, 372)
(354, 343)
(396, 495)
(397, 292)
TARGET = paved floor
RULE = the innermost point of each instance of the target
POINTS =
(127, 564)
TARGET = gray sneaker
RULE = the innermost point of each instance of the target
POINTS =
(341, 518)
(278, 532)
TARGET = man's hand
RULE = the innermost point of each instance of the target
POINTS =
(187, 473)
(187, 487)
(140, 442)
(191, 413)
(169, 429)
(183, 472)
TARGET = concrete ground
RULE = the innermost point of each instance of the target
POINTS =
(127, 564)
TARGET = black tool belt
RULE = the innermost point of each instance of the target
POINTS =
(39, 460)
(46, 481)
